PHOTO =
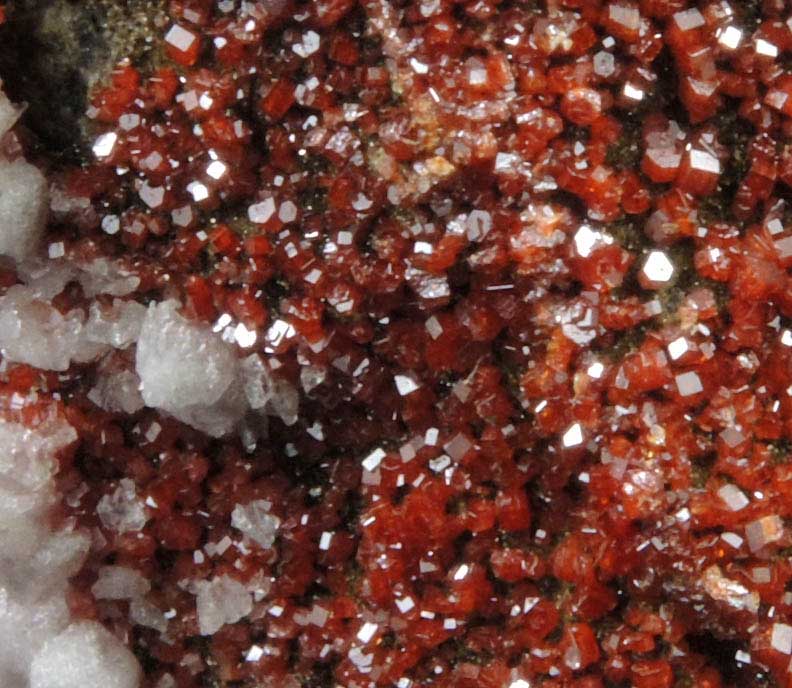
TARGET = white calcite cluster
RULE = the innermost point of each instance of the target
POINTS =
(40, 647)
(183, 368)
(33, 331)
(256, 521)
(188, 371)
(221, 601)
(191, 372)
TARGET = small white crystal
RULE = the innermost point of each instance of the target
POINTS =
(180, 38)
(309, 45)
(143, 613)
(678, 348)
(373, 460)
(287, 212)
(658, 268)
(704, 161)
(221, 601)
(266, 392)
(433, 327)
(152, 196)
(766, 48)
(366, 632)
(730, 37)
(216, 169)
(729, 591)
(733, 497)
(23, 208)
(689, 384)
(405, 384)
(261, 212)
(255, 520)
(198, 191)
(781, 638)
(119, 583)
(122, 510)
(458, 446)
(690, 19)
(104, 144)
(595, 370)
(763, 531)
(573, 437)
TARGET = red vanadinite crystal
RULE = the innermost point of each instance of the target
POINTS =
(517, 277)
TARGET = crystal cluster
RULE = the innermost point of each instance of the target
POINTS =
(407, 344)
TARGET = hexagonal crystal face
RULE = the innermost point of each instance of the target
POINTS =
(657, 271)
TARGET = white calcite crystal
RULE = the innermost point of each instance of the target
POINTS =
(267, 393)
(122, 510)
(117, 326)
(103, 276)
(117, 392)
(23, 208)
(32, 331)
(146, 614)
(764, 531)
(188, 371)
(119, 583)
(256, 521)
(220, 601)
(82, 656)
(27, 466)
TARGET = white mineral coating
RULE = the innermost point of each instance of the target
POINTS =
(83, 655)
(38, 648)
(46, 278)
(188, 371)
(146, 614)
(23, 207)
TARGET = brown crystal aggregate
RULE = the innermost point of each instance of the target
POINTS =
(518, 276)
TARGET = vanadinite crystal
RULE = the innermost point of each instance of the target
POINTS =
(417, 343)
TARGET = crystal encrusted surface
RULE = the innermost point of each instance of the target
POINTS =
(415, 344)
